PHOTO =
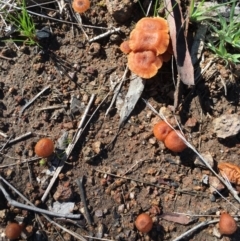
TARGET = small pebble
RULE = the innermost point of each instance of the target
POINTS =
(212, 198)
(99, 213)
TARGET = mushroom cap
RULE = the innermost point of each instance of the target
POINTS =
(161, 130)
(13, 230)
(144, 64)
(80, 6)
(125, 47)
(156, 41)
(144, 223)
(227, 224)
(44, 147)
(155, 24)
(174, 143)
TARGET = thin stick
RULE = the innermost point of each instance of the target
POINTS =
(33, 99)
(31, 208)
(3, 134)
(200, 225)
(5, 144)
(19, 138)
(69, 149)
(111, 31)
(22, 162)
(79, 182)
(52, 107)
(117, 90)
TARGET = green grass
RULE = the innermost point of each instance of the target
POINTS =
(227, 43)
(24, 24)
(201, 13)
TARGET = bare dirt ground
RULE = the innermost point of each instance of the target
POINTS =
(157, 181)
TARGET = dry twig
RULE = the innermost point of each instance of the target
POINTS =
(33, 99)
(69, 148)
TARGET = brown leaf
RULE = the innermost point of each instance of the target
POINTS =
(179, 42)
(230, 171)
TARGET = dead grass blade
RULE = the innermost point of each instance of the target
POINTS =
(179, 42)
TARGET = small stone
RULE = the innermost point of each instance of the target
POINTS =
(99, 213)
(63, 193)
(121, 208)
(96, 146)
(215, 184)
(226, 125)
(69, 173)
(216, 232)
(191, 122)
(207, 157)
(212, 198)
(61, 176)
(152, 141)
(9, 173)
(69, 125)
(67, 237)
(3, 213)
(94, 49)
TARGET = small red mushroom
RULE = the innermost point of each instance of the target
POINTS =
(13, 230)
(80, 6)
(44, 147)
(161, 130)
(125, 47)
(173, 142)
(144, 64)
(144, 223)
(227, 224)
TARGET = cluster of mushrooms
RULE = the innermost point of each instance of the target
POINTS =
(148, 46)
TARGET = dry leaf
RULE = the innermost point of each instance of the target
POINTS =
(230, 171)
(176, 218)
(179, 42)
(135, 90)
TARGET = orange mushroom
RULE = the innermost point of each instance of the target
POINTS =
(161, 130)
(174, 143)
(155, 24)
(13, 230)
(44, 147)
(154, 41)
(80, 6)
(227, 224)
(125, 47)
(144, 64)
(144, 223)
